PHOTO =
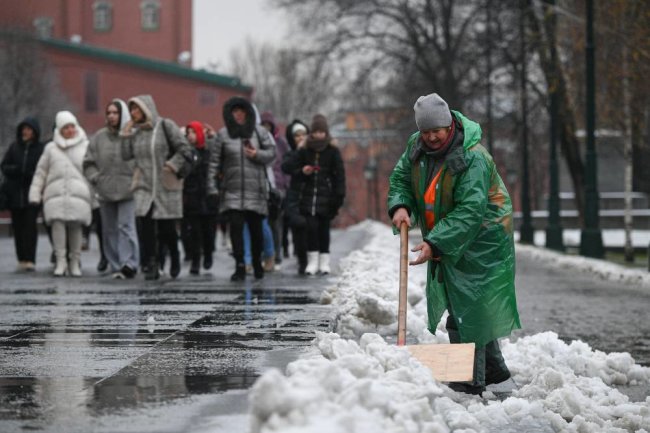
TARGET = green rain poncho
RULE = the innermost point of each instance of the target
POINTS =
(473, 230)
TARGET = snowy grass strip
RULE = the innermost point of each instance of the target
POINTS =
(600, 268)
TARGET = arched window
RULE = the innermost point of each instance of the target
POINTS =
(44, 26)
(102, 16)
(150, 14)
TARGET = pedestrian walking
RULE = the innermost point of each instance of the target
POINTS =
(18, 167)
(243, 150)
(199, 209)
(276, 213)
(447, 183)
(320, 183)
(111, 178)
(163, 157)
(296, 134)
(67, 198)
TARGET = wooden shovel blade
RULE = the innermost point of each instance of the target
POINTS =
(448, 362)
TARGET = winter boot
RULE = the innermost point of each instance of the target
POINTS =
(312, 262)
(269, 263)
(61, 265)
(152, 272)
(258, 269)
(240, 273)
(175, 265)
(196, 265)
(74, 266)
(207, 261)
(324, 263)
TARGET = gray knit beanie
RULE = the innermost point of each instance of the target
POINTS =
(431, 112)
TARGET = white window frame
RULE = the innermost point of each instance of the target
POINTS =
(150, 15)
(102, 7)
(44, 27)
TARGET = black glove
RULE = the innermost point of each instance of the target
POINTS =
(335, 205)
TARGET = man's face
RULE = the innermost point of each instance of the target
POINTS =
(239, 115)
(435, 138)
(191, 136)
(112, 116)
(27, 134)
(136, 113)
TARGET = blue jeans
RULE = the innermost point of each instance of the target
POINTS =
(269, 248)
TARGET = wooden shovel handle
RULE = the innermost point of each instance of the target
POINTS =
(403, 282)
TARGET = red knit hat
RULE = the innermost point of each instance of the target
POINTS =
(198, 130)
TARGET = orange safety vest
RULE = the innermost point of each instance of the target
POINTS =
(430, 201)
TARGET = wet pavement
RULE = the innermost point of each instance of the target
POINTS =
(84, 354)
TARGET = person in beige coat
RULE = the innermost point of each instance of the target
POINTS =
(66, 196)
(161, 153)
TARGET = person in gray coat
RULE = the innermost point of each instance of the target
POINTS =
(111, 178)
(242, 152)
(161, 154)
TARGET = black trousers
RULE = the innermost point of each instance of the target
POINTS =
(489, 365)
(23, 224)
(299, 235)
(200, 232)
(254, 220)
(157, 233)
(318, 234)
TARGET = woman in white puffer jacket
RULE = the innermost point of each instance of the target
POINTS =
(66, 196)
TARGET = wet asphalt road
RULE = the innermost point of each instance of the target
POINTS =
(78, 355)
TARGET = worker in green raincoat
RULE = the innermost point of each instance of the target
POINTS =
(447, 184)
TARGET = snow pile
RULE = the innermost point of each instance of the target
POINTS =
(373, 386)
(366, 296)
(601, 268)
(342, 385)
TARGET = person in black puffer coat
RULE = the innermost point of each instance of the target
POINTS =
(18, 167)
(296, 134)
(320, 175)
(199, 209)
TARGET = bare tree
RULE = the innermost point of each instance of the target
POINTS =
(432, 44)
(286, 81)
(27, 82)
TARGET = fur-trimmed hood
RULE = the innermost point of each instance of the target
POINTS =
(234, 129)
(148, 107)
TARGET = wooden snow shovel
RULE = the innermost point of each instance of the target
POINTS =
(448, 362)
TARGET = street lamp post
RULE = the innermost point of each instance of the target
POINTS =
(591, 239)
(526, 230)
(554, 229)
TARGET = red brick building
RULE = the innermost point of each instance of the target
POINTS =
(103, 49)
(370, 143)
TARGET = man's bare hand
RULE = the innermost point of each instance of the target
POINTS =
(425, 254)
(401, 215)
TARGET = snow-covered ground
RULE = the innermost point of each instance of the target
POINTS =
(357, 380)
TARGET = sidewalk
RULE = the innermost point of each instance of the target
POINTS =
(96, 354)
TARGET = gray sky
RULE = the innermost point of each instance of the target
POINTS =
(220, 25)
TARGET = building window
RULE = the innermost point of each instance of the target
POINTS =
(207, 98)
(102, 16)
(44, 26)
(91, 91)
(150, 14)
